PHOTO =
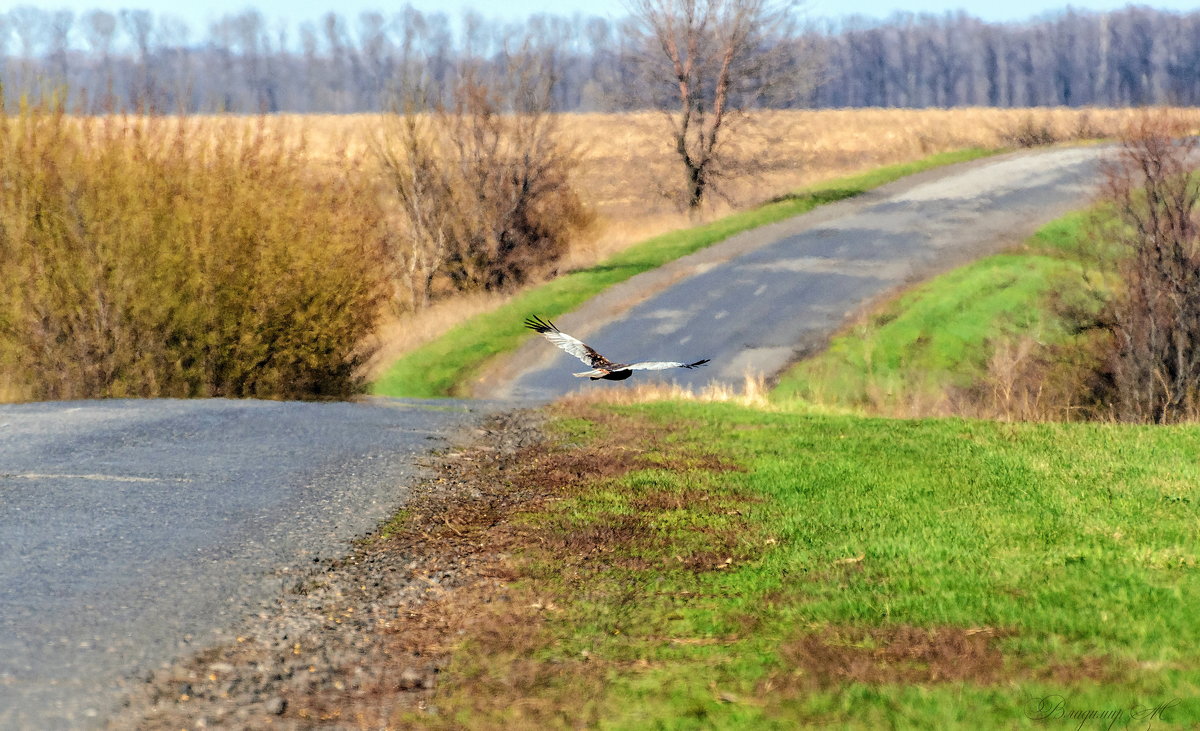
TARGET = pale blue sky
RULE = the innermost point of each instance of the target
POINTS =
(198, 14)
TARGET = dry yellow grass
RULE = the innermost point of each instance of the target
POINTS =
(401, 332)
(629, 160)
(629, 169)
(753, 392)
(629, 166)
(9, 392)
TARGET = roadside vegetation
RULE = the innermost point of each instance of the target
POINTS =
(1094, 318)
(480, 178)
(150, 259)
(715, 561)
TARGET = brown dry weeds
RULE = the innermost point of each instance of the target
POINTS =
(902, 654)
(835, 656)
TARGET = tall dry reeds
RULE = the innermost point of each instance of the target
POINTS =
(151, 257)
(752, 392)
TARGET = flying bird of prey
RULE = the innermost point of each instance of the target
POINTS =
(601, 367)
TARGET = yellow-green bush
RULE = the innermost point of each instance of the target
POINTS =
(169, 257)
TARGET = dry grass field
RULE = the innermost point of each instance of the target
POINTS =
(629, 170)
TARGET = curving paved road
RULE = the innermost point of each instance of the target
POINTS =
(762, 299)
(134, 531)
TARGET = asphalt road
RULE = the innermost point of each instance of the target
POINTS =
(134, 531)
(758, 301)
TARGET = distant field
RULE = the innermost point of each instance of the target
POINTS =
(629, 164)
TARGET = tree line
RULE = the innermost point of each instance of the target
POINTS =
(1131, 57)
(244, 63)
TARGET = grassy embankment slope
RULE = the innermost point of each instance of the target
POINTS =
(447, 365)
(913, 352)
(777, 568)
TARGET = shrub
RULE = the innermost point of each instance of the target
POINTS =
(150, 257)
(483, 185)
(1029, 132)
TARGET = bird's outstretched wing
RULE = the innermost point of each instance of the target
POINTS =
(571, 345)
(662, 365)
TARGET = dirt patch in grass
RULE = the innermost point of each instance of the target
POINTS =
(555, 468)
(713, 536)
(916, 655)
(897, 655)
(706, 501)
(456, 608)
(601, 534)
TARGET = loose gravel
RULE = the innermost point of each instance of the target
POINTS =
(359, 639)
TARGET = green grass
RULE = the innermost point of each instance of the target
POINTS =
(1074, 545)
(941, 334)
(446, 366)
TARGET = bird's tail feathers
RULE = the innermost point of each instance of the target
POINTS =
(539, 325)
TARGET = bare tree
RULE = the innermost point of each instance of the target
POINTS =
(375, 51)
(138, 24)
(174, 59)
(29, 24)
(59, 30)
(709, 60)
(243, 63)
(99, 27)
(341, 65)
(5, 32)
(482, 182)
(1155, 319)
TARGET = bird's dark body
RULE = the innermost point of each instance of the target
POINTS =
(614, 376)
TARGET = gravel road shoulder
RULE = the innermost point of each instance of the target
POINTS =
(364, 637)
